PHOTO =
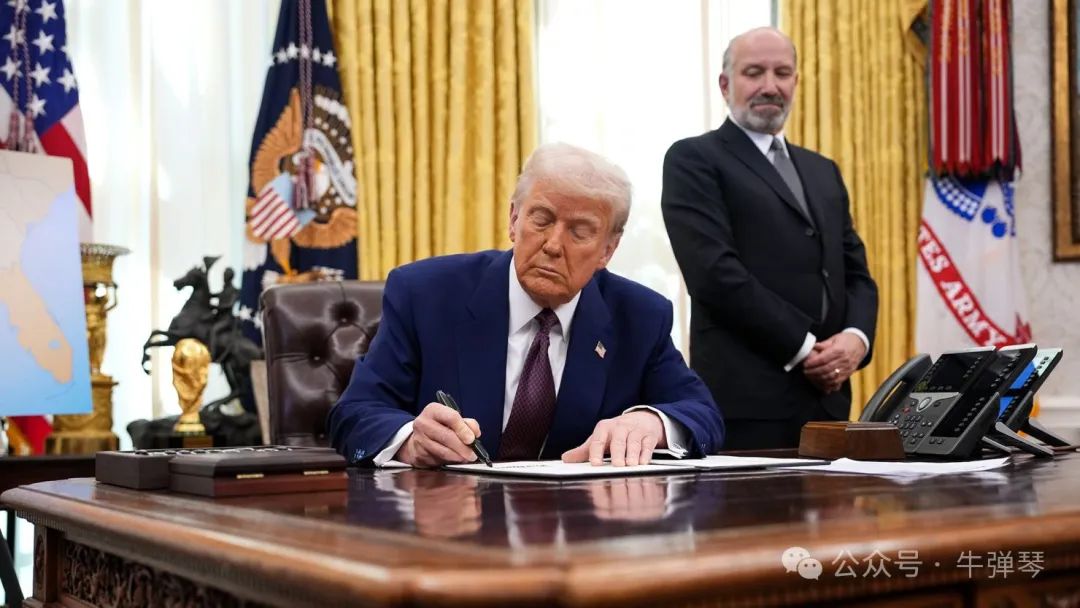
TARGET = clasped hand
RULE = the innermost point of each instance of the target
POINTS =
(833, 361)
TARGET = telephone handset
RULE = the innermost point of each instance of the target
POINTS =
(895, 388)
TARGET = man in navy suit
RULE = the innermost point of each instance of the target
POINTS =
(546, 352)
(783, 307)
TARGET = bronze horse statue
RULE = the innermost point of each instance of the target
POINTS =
(208, 318)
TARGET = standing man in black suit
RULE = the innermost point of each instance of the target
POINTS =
(783, 305)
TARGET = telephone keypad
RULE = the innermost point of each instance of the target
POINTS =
(916, 419)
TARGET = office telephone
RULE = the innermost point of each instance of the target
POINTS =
(1018, 400)
(946, 408)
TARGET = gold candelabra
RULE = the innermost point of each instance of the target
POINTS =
(89, 433)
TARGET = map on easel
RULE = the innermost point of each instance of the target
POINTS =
(45, 365)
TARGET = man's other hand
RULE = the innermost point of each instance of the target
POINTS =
(440, 436)
(629, 439)
(833, 361)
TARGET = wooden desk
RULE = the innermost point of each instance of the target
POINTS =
(21, 470)
(434, 538)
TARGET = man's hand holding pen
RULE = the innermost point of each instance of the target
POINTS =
(440, 436)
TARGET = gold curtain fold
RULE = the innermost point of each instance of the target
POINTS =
(441, 97)
(861, 101)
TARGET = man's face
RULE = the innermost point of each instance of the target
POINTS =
(760, 87)
(559, 242)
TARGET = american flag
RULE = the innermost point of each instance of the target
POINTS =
(272, 217)
(38, 79)
(39, 84)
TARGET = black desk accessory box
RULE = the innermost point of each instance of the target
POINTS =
(149, 469)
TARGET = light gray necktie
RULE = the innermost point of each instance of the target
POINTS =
(786, 169)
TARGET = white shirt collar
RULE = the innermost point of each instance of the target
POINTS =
(523, 309)
(763, 141)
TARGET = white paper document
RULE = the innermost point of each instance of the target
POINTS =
(907, 469)
(558, 469)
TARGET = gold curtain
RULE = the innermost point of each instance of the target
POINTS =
(441, 97)
(861, 100)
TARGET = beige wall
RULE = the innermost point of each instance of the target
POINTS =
(1053, 289)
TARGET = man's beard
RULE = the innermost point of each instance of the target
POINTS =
(747, 117)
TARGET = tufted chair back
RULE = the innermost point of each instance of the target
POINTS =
(313, 333)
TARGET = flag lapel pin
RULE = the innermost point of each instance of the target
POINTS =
(600, 350)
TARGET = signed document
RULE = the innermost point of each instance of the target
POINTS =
(556, 469)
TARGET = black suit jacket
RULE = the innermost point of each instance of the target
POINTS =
(756, 266)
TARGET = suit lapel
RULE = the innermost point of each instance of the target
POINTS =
(584, 379)
(741, 147)
(481, 342)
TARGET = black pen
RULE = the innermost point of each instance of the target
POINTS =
(477, 447)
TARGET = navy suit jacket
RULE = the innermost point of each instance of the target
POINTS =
(445, 326)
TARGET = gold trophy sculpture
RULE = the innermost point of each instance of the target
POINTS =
(89, 433)
(190, 367)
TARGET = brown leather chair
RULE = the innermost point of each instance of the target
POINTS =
(313, 334)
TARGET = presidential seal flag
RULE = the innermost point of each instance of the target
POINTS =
(970, 291)
(39, 113)
(301, 202)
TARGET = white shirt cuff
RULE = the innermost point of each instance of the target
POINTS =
(804, 352)
(387, 454)
(674, 432)
(858, 332)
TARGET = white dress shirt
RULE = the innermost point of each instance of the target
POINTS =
(522, 330)
(763, 142)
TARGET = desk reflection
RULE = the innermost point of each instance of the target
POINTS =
(517, 513)
(499, 512)
(630, 499)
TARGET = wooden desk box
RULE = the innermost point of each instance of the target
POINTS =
(257, 472)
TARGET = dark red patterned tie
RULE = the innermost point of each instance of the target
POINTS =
(534, 402)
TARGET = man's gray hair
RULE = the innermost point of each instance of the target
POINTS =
(575, 171)
(727, 52)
